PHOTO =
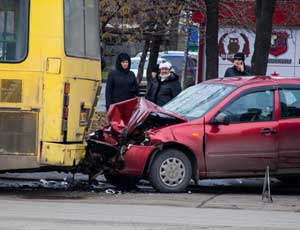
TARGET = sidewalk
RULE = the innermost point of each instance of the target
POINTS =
(101, 103)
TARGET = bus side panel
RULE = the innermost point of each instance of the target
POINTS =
(50, 44)
(53, 108)
(83, 77)
(62, 155)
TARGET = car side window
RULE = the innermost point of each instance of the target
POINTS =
(251, 107)
(289, 103)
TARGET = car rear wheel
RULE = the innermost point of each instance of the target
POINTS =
(122, 182)
(171, 171)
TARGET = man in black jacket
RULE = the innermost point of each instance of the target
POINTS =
(165, 86)
(239, 68)
(121, 83)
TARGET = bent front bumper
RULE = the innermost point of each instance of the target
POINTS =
(131, 161)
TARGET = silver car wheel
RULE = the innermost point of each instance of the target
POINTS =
(172, 172)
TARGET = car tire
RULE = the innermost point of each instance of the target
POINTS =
(122, 182)
(170, 172)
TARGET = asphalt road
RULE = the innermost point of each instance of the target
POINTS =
(26, 202)
(26, 214)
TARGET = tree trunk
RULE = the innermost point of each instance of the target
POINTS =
(264, 16)
(212, 27)
(183, 80)
(142, 61)
(174, 34)
(154, 50)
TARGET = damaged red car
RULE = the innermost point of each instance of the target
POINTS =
(222, 128)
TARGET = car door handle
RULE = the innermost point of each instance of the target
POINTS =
(268, 131)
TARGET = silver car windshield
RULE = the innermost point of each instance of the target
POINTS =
(197, 100)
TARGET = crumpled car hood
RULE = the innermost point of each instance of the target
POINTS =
(125, 116)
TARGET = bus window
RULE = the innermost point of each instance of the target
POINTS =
(81, 28)
(92, 29)
(13, 30)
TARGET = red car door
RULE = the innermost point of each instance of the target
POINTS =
(289, 127)
(248, 144)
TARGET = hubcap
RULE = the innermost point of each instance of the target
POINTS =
(172, 172)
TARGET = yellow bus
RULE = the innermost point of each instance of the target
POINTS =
(49, 78)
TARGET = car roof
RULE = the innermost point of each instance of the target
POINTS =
(171, 55)
(174, 55)
(139, 54)
(135, 58)
(177, 52)
(139, 58)
(268, 80)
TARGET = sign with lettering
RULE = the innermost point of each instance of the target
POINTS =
(284, 56)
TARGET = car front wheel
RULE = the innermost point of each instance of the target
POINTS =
(171, 171)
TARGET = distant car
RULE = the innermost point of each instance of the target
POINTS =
(222, 128)
(177, 60)
(135, 61)
(193, 54)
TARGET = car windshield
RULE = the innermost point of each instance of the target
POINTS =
(197, 100)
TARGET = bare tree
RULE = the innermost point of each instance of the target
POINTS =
(166, 12)
(143, 61)
(151, 21)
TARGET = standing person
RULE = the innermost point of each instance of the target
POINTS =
(121, 83)
(239, 68)
(165, 86)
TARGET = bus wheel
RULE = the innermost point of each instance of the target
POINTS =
(122, 182)
(171, 171)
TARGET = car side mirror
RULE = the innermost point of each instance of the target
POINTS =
(220, 119)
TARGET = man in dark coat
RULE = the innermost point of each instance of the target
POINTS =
(165, 86)
(239, 68)
(121, 83)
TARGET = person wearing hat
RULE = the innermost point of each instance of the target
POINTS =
(121, 83)
(239, 68)
(165, 86)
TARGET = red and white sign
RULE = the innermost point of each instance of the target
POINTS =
(279, 43)
(232, 42)
(284, 56)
